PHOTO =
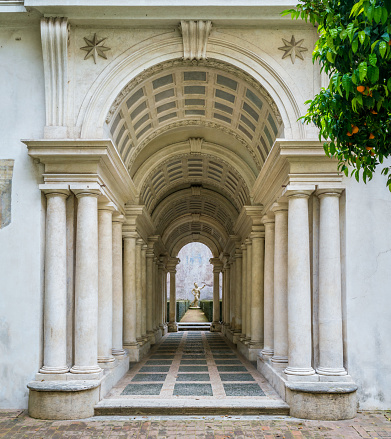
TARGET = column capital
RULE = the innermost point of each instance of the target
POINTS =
(268, 220)
(257, 235)
(279, 207)
(172, 263)
(86, 190)
(217, 264)
(330, 192)
(140, 242)
(108, 206)
(55, 189)
(118, 218)
(248, 241)
(299, 191)
(130, 235)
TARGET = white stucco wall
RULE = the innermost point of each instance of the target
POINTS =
(22, 117)
(368, 290)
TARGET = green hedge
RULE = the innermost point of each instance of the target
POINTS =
(181, 307)
(207, 307)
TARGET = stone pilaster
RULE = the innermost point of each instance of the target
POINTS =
(217, 267)
(130, 294)
(244, 291)
(171, 266)
(258, 244)
(139, 292)
(144, 291)
(248, 243)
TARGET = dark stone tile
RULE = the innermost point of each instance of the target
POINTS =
(230, 369)
(229, 361)
(236, 377)
(192, 362)
(162, 357)
(156, 369)
(150, 377)
(193, 390)
(222, 351)
(142, 389)
(195, 356)
(158, 362)
(224, 354)
(243, 389)
(193, 369)
(193, 377)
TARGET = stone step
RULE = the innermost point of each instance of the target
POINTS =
(165, 407)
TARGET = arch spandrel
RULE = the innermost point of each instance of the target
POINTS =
(206, 240)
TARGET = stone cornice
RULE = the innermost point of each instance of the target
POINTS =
(84, 161)
(137, 219)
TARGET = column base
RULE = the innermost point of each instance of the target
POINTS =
(279, 361)
(172, 327)
(106, 362)
(249, 350)
(118, 352)
(54, 370)
(267, 354)
(87, 372)
(215, 327)
(331, 371)
(151, 337)
(294, 373)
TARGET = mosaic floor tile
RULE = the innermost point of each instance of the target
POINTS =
(193, 377)
(236, 377)
(142, 389)
(162, 357)
(194, 369)
(230, 369)
(195, 356)
(191, 362)
(156, 369)
(193, 390)
(230, 361)
(150, 377)
(158, 362)
(243, 389)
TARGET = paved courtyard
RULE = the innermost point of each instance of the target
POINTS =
(16, 424)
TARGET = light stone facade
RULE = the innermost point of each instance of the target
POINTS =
(179, 125)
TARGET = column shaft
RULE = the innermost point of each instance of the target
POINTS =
(280, 284)
(330, 302)
(86, 284)
(233, 294)
(249, 288)
(238, 291)
(299, 287)
(105, 285)
(139, 312)
(130, 296)
(172, 326)
(227, 295)
(55, 303)
(117, 287)
(149, 284)
(244, 290)
(269, 287)
(144, 290)
(257, 290)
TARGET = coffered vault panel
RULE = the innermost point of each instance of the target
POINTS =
(206, 93)
(194, 169)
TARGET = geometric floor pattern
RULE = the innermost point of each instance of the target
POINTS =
(193, 364)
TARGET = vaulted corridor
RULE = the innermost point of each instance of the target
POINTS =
(194, 372)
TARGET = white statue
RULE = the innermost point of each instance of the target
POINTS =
(196, 293)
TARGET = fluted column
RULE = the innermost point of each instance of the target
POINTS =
(149, 283)
(105, 285)
(299, 285)
(330, 301)
(139, 292)
(171, 266)
(244, 290)
(86, 283)
(144, 291)
(117, 350)
(130, 296)
(249, 289)
(55, 302)
(280, 356)
(268, 345)
(258, 242)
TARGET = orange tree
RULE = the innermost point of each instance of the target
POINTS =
(354, 112)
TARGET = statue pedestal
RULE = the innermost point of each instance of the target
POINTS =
(194, 307)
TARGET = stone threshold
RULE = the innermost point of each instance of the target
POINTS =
(156, 407)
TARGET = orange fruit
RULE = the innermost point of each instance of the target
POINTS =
(371, 136)
(369, 148)
(349, 134)
(373, 112)
(355, 130)
(360, 88)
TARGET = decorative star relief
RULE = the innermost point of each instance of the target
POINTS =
(95, 48)
(293, 49)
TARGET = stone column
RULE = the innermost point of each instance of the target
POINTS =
(149, 284)
(299, 285)
(144, 291)
(268, 345)
(86, 283)
(216, 294)
(55, 302)
(139, 292)
(280, 357)
(105, 285)
(330, 301)
(117, 350)
(232, 293)
(160, 295)
(249, 289)
(238, 291)
(258, 243)
(155, 299)
(165, 317)
(130, 296)
(171, 266)
(244, 291)
(227, 295)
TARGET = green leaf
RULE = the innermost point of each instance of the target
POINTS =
(355, 45)
(373, 59)
(362, 70)
(370, 12)
(373, 74)
(374, 45)
(389, 84)
(382, 48)
(384, 16)
(361, 36)
(330, 57)
(378, 14)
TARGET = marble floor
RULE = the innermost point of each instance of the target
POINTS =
(193, 365)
